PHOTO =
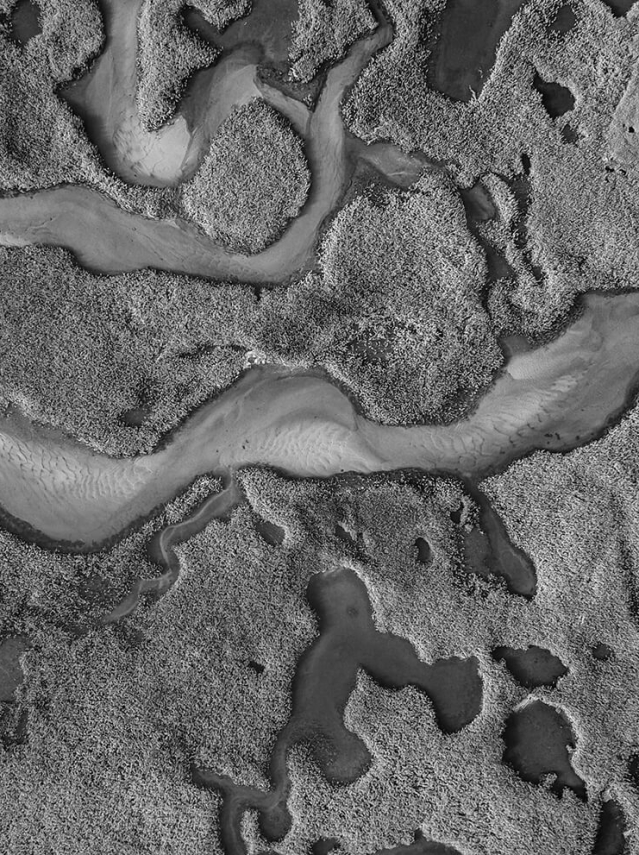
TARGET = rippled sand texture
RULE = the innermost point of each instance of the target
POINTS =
(555, 397)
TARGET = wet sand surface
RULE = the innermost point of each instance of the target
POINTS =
(324, 680)
(537, 738)
(469, 32)
(555, 397)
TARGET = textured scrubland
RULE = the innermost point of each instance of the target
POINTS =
(323, 31)
(172, 683)
(583, 209)
(79, 350)
(170, 52)
(396, 310)
(44, 145)
(253, 180)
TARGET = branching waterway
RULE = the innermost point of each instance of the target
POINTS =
(63, 494)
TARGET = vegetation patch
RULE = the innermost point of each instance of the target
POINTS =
(324, 30)
(397, 314)
(253, 181)
(169, 51)
(78, 350)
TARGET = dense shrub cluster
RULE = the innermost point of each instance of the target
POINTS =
(252, 182)
(397, 313)
(77, 350)
(323, 31)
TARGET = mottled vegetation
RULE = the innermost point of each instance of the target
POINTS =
(79, 350)
(582, 217)
(396, 312)
(323, 30)
(252, 182)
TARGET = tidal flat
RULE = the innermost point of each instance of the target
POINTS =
(318, 427)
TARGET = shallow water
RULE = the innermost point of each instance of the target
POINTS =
(268, 25)
(324, 680)
(555, 397)
(537, 738)
(469, 33)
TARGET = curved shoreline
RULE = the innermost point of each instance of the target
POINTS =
(554, 397)
(107, 239)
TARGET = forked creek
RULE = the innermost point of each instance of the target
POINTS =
(66, 496)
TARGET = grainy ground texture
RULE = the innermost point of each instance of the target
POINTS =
(319, 436)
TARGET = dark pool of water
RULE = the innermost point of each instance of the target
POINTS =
(11, 676)
(465, 46)
(602, 652)
(534, 666)
(273, 534)
(488, 551)
(478, 203)
(537, 739)
(325, 677)
(13, 727)
(135, 417)
(564, 20)
(557, 99)
(570, 135)
(325, 845)
(424, 551)
(420, 846)
(24, 22)
(619, 8)
(610, 838)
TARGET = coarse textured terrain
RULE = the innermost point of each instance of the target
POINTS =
(319, 350)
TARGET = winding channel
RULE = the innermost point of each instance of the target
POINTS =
(109, 240)
(62, 494)
(300, 423)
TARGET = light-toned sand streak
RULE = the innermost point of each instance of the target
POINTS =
(553, 397)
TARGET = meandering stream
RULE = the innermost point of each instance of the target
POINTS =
(554, 397)
(61, 493)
